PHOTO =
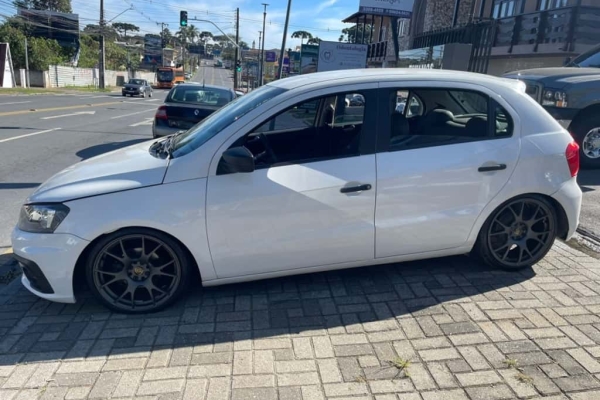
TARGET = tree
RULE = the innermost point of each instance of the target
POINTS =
(205, 36)
(124, 27)
(314, 40)
(354, 34)
(63, 6)
(110, 34)
(302, 35)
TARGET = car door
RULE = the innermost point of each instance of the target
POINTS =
(439, 163)
(313, 206)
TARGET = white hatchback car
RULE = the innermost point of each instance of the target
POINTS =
(291, 179)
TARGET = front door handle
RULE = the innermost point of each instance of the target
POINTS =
(352, 189)
(495, 167)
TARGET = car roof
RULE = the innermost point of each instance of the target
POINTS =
(369, 75)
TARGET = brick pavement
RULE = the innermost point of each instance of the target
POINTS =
(440, 329)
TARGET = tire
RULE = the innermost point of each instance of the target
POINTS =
(121, 274)
(150, 95)
(124, 95)
(513, 238)
(144, 94)
(587, 135)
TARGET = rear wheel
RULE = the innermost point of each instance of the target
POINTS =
(137, 271)
(519, 233)
(587, 134)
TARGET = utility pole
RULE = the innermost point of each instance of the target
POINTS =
(162, 43)
(285, 29)
(101, 81)
(259, 55)
(262, 52)
(237, 50)
(26, 65)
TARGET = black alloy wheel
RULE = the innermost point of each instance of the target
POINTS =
(136, 271)
(519, 233)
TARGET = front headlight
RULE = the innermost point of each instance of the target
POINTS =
(555, 98)
(42, 218)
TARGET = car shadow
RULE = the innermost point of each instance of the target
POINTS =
(96, 150)
(588, 178)
(367, 300)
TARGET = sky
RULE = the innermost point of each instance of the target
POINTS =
(322, 18)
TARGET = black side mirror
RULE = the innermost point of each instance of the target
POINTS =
(237, 159)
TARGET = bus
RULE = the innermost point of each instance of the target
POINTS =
(167, 77)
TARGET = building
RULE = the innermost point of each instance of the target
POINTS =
(487, 36)
(504, 35)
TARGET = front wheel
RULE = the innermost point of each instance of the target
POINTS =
(587, 134)
(137, 271)
(518, 234)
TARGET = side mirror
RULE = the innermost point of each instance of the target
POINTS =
(237, 159)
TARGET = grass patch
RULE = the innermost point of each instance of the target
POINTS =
(524, 378)
(511, 363)
(401, 365)
(86, 89)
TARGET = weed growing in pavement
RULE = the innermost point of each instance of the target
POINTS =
(401, 365)
(511, 363)
(524, 378)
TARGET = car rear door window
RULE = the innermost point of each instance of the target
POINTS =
(439, 117)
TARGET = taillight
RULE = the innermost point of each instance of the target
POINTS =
(161, 113)
(572, 154)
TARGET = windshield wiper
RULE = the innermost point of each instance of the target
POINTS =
(170, 143)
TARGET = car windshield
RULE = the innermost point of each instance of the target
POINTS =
(199, 95)
(225, 116)
(591, 59)
(136, 81)
(164, 76)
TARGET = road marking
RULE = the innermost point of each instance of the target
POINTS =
(153, 100)
(135, 113)
(71, 115)
(16, 102)
(145, 122)
(57, 108)
(29, 134)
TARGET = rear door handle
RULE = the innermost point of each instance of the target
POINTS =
(495, 167)
(352, 189)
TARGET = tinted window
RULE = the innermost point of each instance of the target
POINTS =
(136, 81)
(314, 130)
(588, 60)
(199, 95)
(448, 117)
(164, 76)
(219, 120)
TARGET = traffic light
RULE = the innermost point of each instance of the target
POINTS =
(183, 18)
(238, 67)
(164, 43)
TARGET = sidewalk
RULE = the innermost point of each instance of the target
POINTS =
(446, 329)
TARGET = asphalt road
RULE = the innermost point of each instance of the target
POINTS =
(43, 134)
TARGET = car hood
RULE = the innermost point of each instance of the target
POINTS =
(552, 74)
(124, 169)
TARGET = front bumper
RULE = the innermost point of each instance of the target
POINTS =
(131, 91)
(49, 260)
(569, 196)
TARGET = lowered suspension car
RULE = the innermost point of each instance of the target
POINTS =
(291, 179)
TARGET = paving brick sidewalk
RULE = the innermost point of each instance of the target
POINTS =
(469, 333)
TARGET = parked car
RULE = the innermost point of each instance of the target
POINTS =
(188, 76)
(279, 182)
(570, 94)
(186, 105)
(137, 87)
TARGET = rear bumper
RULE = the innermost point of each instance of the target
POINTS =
(161, 130)
(569, 197)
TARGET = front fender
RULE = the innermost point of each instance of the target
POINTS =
(177, 209)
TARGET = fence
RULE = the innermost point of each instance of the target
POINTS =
(60, 76)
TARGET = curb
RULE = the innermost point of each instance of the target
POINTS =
(595, 239)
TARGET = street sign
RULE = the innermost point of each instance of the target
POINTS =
(336, 56)
(270, 56)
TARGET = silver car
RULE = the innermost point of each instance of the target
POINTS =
(186, 105)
